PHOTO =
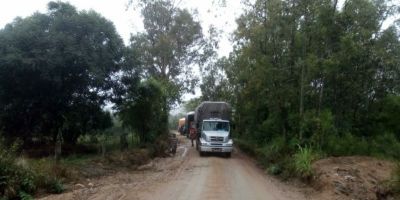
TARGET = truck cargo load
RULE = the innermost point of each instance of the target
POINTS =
(212, 109)
(189, 118)
(181, 124)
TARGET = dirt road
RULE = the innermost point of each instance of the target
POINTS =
(188, 176)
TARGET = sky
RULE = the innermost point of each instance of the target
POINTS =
(127, 20)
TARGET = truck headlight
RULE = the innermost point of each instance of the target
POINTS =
(229, 143)
(203, 142)
(204, 136)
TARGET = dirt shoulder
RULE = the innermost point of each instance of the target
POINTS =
(354, 177)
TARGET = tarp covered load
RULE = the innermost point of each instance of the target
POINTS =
(212, 109)
(188, 119)
(181, 122)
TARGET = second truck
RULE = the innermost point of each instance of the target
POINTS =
(212, 121)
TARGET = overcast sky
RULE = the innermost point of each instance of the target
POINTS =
(127, 20)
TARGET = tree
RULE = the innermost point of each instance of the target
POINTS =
(302, 62)
(56, 68)
(215, 86)
(142, 111)
(171, 44)
(191, 104)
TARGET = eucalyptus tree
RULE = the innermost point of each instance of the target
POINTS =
(170, 46)
(301, 62)
(161, 58)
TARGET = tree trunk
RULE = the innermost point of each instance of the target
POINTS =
(321, 92)
(301, 107)
(103, 146)
(123, 141)
(57, 146)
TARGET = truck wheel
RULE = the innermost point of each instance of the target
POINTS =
(228, 155)
(201, 153)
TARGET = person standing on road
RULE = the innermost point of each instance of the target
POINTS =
(192, 132)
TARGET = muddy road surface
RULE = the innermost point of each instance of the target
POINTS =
(187, 176)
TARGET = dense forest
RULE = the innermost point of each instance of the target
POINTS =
(313, 77)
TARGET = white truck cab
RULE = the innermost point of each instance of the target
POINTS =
(215, 137)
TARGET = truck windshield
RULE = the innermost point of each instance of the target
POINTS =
(215, 126)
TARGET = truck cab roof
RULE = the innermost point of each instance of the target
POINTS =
(215, 120)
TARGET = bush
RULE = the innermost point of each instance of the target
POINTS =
(15, 180)
(346, 145)
(395, 181)
(55, 186)
(385, 145)
(273, 151)
(24, 196)
(48, 174)
(302, 161)
(246, 147)
(274, 156)
(274, 169)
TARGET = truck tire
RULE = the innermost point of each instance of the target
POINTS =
(197, 145)
(201, 153)
(228, 154)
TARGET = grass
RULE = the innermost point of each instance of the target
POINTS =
(302, 162)
(280, 157)
(395, 180)
(111, 141)
(288, 159)
(16, 180)
(272, 156)
(22, 177)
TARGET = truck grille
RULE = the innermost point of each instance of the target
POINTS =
(216, 139)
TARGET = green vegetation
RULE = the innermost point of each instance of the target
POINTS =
(21, 177)
(56, 186)
(395, 182)
(143, 112)
(159, 69)
(312, 74)
(15, 180)
(302, 161)
(55, 69)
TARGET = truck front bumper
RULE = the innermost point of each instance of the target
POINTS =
(209, 147)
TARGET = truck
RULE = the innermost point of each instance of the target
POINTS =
(181, 124)
(189, 118)
(212, 120)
